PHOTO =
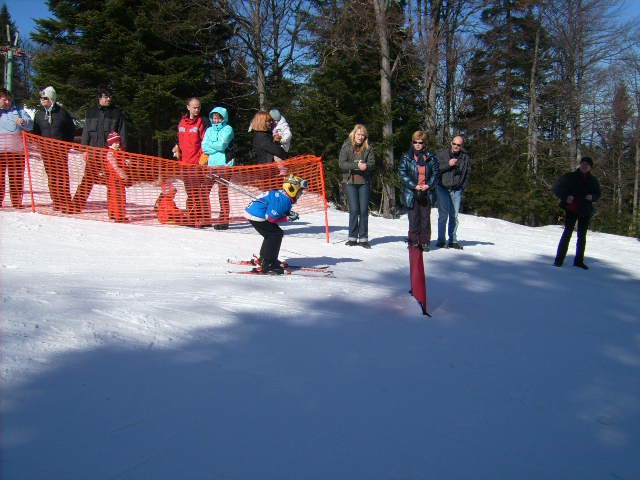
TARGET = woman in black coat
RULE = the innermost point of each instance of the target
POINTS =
(264, 146)
(577, 191)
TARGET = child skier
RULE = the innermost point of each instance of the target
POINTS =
(265, 212)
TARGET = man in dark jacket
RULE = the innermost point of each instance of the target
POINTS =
(53, 121)
(577, 191)
(455, 173)
(100, 120)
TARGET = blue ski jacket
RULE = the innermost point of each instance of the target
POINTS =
(272, 206)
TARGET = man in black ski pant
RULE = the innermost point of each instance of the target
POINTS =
(53, 121)
(577, 191)
(100, 120)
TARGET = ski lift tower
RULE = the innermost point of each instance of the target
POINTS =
(10, 52)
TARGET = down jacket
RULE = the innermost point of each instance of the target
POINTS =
(578, 185)
(408, 171)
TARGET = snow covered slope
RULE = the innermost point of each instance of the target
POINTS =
(130, 352)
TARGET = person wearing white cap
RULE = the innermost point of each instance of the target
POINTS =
(281, 134)
(53, 121)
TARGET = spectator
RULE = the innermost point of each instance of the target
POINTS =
(281, 131)
(215, 145)
(455, 173)
(100, 120)
(12, 122)
(577, 191)
(265, 212)
(265, 147)
(191, 131)
(356, 162)
(116, 178)
(53, 121)
(419, 175)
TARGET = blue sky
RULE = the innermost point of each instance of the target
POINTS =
(23, 11)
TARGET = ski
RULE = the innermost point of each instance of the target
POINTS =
(288, 272)
(285, 265)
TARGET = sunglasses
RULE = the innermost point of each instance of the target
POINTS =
(418, 143)
(44, 98)
(456, 144)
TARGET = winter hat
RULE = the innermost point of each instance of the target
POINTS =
(50, 93)
(113, 137)
(587, 160)
(275, 114)
(168, 188)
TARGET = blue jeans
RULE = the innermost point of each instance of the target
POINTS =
(448, 208)
(358, 200)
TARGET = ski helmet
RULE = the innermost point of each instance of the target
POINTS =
(293, 184)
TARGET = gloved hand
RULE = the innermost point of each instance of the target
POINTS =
(293, 216)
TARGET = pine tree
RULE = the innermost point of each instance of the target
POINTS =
(154, 54)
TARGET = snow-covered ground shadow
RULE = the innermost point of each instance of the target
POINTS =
(350, 389)
(130, 353)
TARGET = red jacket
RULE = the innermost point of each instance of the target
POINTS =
(168, 212)
(190, 135)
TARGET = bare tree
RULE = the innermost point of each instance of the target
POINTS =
(381, 8)
(585, 33)
(269, 33)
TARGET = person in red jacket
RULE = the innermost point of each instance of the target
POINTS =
(168, 211)
(116, 177)
(188, 150)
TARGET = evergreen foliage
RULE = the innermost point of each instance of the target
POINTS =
(524, 102)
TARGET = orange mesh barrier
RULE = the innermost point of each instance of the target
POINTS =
(64, 178)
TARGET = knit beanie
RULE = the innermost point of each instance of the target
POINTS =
(275, 114)
(50, 93)
(113, 137)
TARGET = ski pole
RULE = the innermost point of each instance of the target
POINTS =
(224, 181)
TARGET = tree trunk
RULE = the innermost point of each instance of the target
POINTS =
(432, 60)
(388, 191)
(532, 128)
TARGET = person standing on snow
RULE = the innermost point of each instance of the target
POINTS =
(577, 191)
(215, 144)
(12, 122)
(191, 131)
(419, 176)
(100, 120)
(53, 121)
(356, 161)
(455, 173)
(265, 212)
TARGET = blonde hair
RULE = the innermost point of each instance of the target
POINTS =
(419, 135)
(365, 144)
(261, 122)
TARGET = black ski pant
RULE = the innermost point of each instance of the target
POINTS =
(272, 239)
(569, 224)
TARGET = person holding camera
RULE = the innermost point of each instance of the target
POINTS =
(455, 173)
(356, 162)
(419, 176)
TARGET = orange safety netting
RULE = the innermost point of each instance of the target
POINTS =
(65, 178)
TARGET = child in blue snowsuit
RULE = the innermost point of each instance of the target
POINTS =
(265, 212)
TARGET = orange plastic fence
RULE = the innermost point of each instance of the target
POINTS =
(63, 178)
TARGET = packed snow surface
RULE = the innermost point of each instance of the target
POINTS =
(130, 352)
